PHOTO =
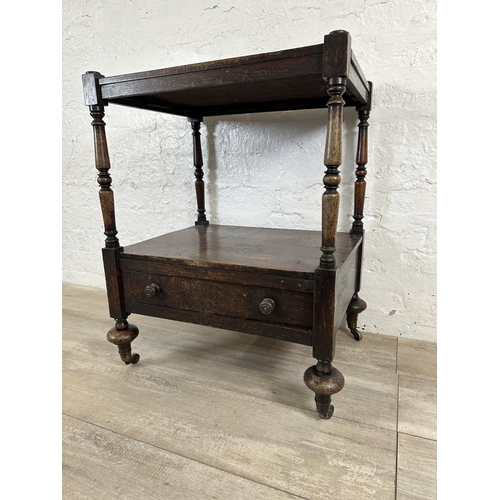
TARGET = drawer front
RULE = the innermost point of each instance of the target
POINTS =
(219, 298)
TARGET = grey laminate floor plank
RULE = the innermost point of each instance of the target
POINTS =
(279, 446)
(417, 409)
(417, 358)
(370, 396)
(101, 464)
(417, 466)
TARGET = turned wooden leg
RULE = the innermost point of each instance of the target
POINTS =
(324, 380)
(356, 306)
(198, 172)
(122, 335)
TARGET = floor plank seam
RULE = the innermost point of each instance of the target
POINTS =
(397, 465)
(309, 411)
(417, 377)
(183, 456)
(419, 437)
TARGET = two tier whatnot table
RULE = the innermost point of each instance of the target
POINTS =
(261, 281)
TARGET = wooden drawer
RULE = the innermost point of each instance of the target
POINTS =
(233, 300)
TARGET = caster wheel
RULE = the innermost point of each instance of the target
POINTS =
(357, 336)
(326, 415)
(134, 359)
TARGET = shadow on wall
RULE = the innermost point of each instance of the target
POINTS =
(275, 161)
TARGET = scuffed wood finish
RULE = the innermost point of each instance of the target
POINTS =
(324, 316)
(168, 268)
(122, 336)
(112, 274)
(277, 252)
(324, 379)
(102, 164)
(219, 275)
(219, 298)
(331, 180)
(337, 54)
(277, 81)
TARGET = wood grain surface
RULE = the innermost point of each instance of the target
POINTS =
(251, 249)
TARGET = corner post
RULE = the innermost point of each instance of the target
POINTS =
(323, 379)
(123, 333)
(357, 304)
(96, 105)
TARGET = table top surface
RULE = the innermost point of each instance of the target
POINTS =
(289, 79)
(251, 249)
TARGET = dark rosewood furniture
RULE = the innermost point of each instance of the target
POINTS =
(286, 284)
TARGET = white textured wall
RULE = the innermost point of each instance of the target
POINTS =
(262, 170)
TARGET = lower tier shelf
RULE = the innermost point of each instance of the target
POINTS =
(253, 280)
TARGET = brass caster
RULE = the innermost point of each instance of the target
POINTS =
(130, 359)
(325, 410)
(357, 336)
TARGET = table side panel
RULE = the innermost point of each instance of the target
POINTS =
(217, 64)
(345, 286)
(357, 84)
(286, 70)
(206, 273)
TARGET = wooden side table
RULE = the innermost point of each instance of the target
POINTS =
(262, 281)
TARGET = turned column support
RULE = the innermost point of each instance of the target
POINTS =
(93, 100)
(198, 172)
(323, 379)
(123, 333)
(102, 164)
(358, 305)
(331, 180)
(361, 161)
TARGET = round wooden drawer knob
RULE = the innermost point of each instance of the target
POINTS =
(152, 290)
(267, 306)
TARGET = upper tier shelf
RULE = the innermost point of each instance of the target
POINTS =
(277, 81)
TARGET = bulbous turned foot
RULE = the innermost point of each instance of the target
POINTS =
(324, 380)
(356, 306)
(122, 336)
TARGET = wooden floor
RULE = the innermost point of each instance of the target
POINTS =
(213, 414)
